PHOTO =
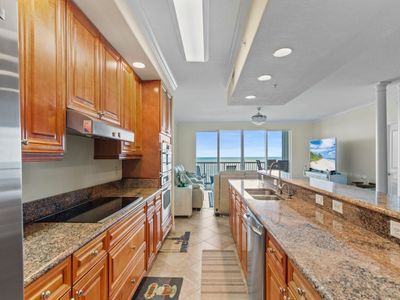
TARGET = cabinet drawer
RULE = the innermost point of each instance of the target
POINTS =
(131, 279)
(276, 257)
(93, 285)
(123, 254)
(55, 283)
(299, 286)
(86, 257)
(119, 230)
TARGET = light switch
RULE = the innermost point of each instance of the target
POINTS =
(319, 199)
(337, 206)
(395, 229)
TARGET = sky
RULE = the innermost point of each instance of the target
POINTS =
(254, 143)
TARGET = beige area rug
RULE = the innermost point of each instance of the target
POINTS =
(221, 276)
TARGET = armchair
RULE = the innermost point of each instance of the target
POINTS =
(183, 177)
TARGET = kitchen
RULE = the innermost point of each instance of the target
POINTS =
(101, 101)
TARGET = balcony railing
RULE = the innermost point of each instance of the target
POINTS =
(209, 169)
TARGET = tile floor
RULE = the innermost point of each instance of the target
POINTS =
(207, 232)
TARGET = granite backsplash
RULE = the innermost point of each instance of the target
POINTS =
(37, 209)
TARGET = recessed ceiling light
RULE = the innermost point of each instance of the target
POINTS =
(249, 97)
(138, 65)
(264, 77)
(189, 14)
(282, 52)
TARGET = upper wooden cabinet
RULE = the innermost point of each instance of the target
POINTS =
(42, 78)
(166, 112)
(83, 51)
(110, 105)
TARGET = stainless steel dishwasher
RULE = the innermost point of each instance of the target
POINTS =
(255, 257)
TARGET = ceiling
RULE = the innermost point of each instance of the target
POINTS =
(341, 49)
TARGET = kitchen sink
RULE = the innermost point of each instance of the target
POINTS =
(263, 194)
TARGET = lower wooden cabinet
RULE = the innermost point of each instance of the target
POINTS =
(112, 265)
(93, 285)
(132, 279)
(275, 287)
(55, 284)
(283, 281)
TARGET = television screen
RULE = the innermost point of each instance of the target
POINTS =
(323, 154)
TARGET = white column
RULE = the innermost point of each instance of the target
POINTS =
(398, 144)
(381, 138)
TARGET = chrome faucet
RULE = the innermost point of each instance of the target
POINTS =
(275, 164)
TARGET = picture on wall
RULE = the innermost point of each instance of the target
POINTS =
(323, 154)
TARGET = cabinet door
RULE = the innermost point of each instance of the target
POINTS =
(42, 81)
(275, 288)
(158, 228)
(93, 286)
(83, 84)
(163, 110)
(244, 246)
(169, 116)
(150, 240)
(138, 146)
(128, 104)
(110, 86)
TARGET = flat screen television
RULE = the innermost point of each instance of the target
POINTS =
(323, 154)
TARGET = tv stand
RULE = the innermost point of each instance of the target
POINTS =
(335, 177)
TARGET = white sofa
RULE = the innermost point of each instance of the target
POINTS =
(221, 188)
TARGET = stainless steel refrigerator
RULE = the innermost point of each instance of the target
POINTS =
(11, 256)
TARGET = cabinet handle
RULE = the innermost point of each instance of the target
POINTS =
(133, 280)
(100, 114)
(286, 298)
(46, 295)
(79, 293)
(300, 291)
(271, 250)
(25, 142)
(95, 252)
(133, 247)
(282, 290)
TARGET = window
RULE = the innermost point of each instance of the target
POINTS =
(230, 150)
(254, 148)
(226, 150)
(207, 154)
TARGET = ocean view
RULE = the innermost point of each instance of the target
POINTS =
(232, 159)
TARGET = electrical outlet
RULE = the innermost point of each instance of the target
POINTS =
(395, 229)
(319, 199)
(275, 182)
(319, 217)
(337, 206)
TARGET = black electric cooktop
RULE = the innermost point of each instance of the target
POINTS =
(92, 211)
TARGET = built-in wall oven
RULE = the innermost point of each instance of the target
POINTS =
(166, 179)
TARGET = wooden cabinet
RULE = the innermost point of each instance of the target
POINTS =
(298, 286)
(89, 255)
(93, 285)
(275, 287)
(166, 112)
(154, 131)
(42, 78)
(110, 104)
(158, 238)
(55, 283)
(122, 255)
(83, 63)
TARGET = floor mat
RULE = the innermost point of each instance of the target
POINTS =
(176, 242)
(221, 276)
(159, 288)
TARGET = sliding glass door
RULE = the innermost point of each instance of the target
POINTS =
(207, 154)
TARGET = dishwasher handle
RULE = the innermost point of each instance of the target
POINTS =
(256, 230)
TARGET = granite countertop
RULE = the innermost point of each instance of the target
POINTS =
(341, 260)
(379, 202)
(48, 244)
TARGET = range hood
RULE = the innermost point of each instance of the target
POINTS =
(81, 124)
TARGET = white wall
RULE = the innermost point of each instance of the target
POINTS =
(185, 137)
(77, 170)
(355, 133)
